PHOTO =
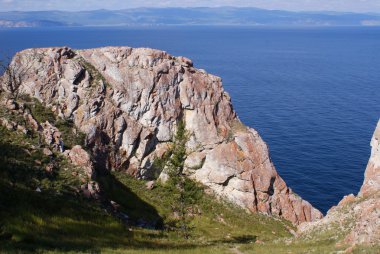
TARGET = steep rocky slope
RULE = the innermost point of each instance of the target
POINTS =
(371, 182)
(128, 101)
(356, 219)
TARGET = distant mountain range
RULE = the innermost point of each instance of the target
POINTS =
(185, 16)
(32, 23)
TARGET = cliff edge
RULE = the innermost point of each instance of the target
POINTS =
(128, 101)
(371, 182)
(355, 218)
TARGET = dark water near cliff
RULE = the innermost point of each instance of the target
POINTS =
(313, 94)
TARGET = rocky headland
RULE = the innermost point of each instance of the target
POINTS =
(117, 109)
(128, 102)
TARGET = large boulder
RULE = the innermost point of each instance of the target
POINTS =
(129, 100)
(80, 157)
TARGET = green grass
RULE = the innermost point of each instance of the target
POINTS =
(59, 220)
(70, 137)
(215, 220)
(41, 113)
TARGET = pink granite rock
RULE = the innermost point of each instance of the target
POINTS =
(79, 157)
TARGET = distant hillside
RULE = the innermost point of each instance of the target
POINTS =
(33, 23)
(186, 16)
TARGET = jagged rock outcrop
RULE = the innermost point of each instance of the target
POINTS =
(356, 219)
(128, 102)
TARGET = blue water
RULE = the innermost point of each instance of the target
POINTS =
(313, 94)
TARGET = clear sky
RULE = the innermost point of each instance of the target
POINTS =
(293, 5)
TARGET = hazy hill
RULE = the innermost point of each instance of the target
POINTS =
(186, 16)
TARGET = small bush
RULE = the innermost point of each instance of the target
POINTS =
(41, 113)
(71, 136)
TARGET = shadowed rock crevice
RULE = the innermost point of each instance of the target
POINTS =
(80, 77)
(129, 202)
(225, 183)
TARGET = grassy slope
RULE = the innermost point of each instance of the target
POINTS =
(59, 220)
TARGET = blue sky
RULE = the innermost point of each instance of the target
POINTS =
(293, 5)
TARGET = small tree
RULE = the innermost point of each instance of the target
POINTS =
(176, 164)
(184, 190)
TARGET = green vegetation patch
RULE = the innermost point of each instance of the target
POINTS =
(40, 112)
(213, 220)
(70, 134)
(42, 211)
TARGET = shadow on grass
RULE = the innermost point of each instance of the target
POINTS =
(37, 222)
(137, 209)
(18, 166)
(32, 221)
(242, 239)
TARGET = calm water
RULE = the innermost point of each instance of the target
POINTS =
(313, 94)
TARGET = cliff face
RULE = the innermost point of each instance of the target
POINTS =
(371, 182)
(356, 218)
(128, 102)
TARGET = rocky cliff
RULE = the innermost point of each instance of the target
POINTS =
(128, 101)
(371, 182)
(356, 218)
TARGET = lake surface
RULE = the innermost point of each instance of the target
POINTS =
(313, 94)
